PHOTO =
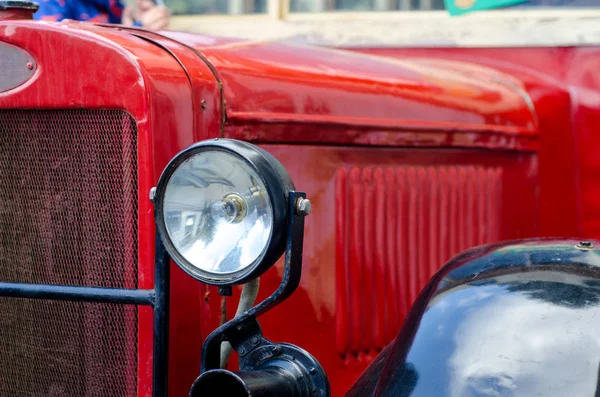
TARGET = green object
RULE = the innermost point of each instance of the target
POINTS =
(458, 7)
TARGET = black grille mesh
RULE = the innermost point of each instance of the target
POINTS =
(68, 215)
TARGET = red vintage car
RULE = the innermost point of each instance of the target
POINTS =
(408, 156)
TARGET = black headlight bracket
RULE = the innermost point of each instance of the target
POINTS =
(264, 364)
(266, 368)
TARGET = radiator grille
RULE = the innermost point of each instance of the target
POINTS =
(68, 215)
(394, 230)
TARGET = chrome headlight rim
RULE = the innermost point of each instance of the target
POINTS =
(278, 184)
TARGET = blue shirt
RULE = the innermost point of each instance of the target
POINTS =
(100, 11)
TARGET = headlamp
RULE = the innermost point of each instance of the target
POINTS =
(221, 209)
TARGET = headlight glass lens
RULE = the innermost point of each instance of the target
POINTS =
(217, 214)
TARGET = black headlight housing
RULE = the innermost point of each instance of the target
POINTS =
(277, 183)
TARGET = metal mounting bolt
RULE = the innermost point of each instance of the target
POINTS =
(254, 340)
(203, 104)
(585, 245)
(312, 370)
(242, 350)
(303, 206)
(225, 290)
(152, 194)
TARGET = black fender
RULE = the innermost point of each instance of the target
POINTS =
(513, 319)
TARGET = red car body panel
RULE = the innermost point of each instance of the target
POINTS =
(364, 99)
(563, 85)
(443, 126)
(155, 90)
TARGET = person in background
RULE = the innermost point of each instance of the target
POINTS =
(145, 13)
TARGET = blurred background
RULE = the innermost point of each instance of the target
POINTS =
(232, 7)
(183, 7)
(368, 23)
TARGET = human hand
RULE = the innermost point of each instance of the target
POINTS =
(148, 14)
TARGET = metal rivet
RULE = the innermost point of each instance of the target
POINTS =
(203, 104)
(242, 350)
(152, 194)
(585, 245)
(303, 206)
(312, 370)
(225, 290)
(30, 65)
(254, 340)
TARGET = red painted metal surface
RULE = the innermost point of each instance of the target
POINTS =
(407, 120)
(393, 232)
(563, 90)
(297, 94)
(315, 316)
(141, 78)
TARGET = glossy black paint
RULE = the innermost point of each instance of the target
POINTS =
(70, 293)
(243, 384)
(271, 370)
(162, 293)
(514, 319)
